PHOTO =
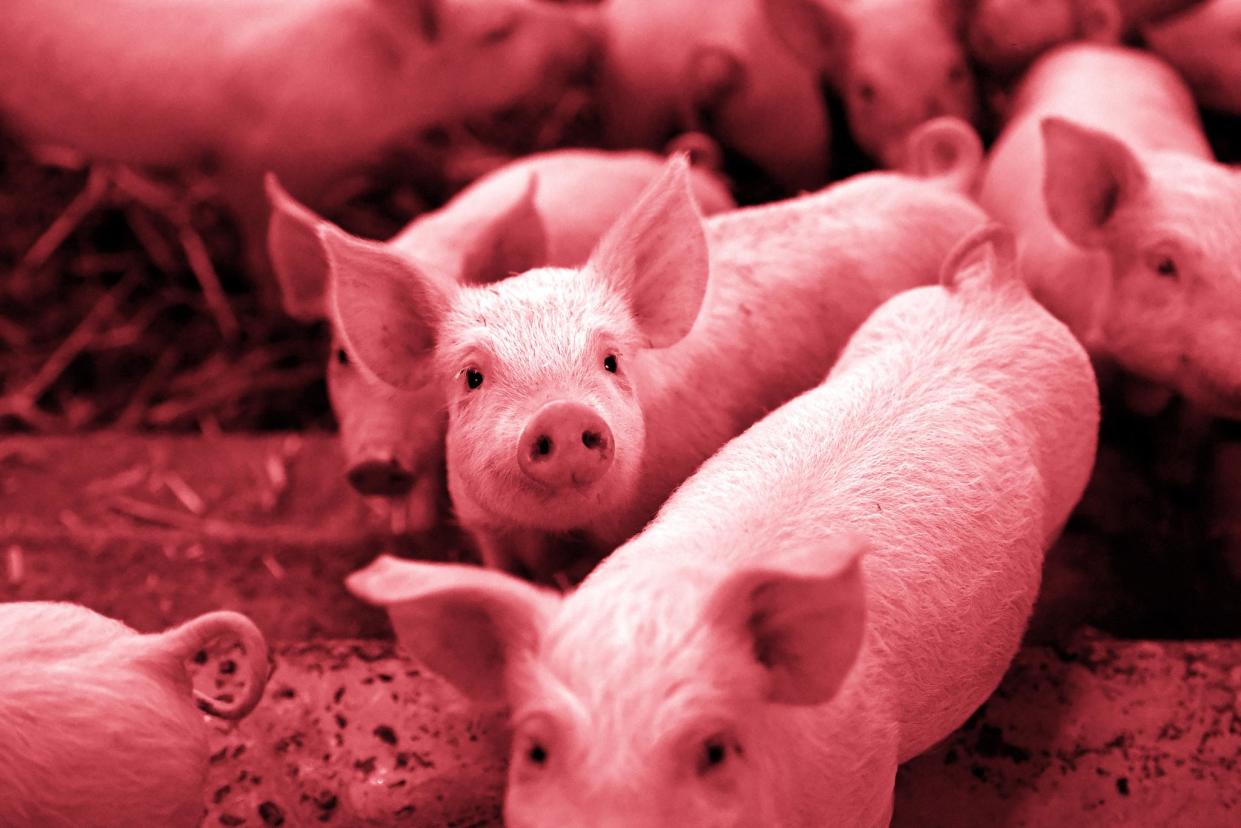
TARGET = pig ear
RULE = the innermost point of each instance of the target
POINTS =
(1099, 20)
(296, 254)
(655, 256)
(818, 34)
(988, 254)
(467, 624)
(387, 310)
(945, 148)
(1088, 175)
(513, 242)
(803, 620)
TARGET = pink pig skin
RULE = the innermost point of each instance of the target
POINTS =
(98, 725)
(1128, 230)
(698, 359)
(713, 65)
(829, 595)
(310, 89)
(1005, 36)
(1204, 45)
(545, 209)
(895, 63)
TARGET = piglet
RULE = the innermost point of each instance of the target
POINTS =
(1129, 231)
(1204, 45)
(545, 209)
(712, 65)
(1005, 36)
(578, 399)
(97, 724)
(896, 63)
(829, 595)
(312, 89)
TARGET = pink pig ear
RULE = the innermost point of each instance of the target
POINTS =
(818, 33)
(296, 254)
(465, 623)
(513, 242)
(387, 310)
(655, 256)
(803, 620)
(1088, 176)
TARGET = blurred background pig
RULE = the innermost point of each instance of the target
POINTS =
(311, 89)
(1129, 231)
(1204, 45)
(97, 721)
(1005, 36)
(829, 595)
(547, 209)
(895, 63)
(579, 399)
(715, 66)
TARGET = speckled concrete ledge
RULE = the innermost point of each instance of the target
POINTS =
(1100, 733)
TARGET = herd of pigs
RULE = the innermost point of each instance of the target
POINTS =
(801, 461)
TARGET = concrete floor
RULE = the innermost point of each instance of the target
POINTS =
(1088, 731)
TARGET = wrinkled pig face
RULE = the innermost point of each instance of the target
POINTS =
(900, 75)
(541, 47)
(1175, 312)
(545, 427)
(392, 439)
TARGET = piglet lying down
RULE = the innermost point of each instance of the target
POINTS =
(97, 728)
(833, 592)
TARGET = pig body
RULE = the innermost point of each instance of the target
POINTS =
(1204, 45)
(831, 593)
(658, 364)
(312, 90)
(713, 65)
(1128, 229)
(1006, 36)
(97, 720)
(895, 63)
(545, 209)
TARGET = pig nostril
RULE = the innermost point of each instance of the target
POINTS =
(379, 478)
(592, 439)
(543, 446)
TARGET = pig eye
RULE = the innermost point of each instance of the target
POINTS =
(1165, 267)
(866, 92)
(536, 754)
(500, 32)
(609, 363)
(342, 357)
(714, 754)
(473, 378)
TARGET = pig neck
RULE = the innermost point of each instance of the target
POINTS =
(789, 284)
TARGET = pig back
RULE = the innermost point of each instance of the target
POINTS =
(789, 284)
(1128, 93)
(935, 438)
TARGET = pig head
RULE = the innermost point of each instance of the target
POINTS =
(1169, 225)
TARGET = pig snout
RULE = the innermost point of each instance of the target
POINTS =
(565, 444)
(380, 477)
